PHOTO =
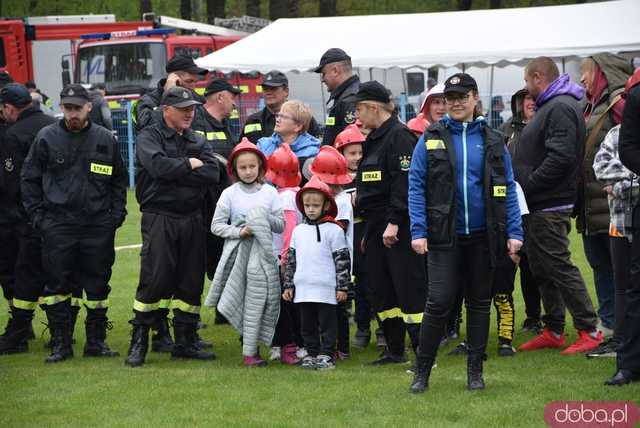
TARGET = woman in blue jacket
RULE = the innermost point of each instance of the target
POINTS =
(464, 215)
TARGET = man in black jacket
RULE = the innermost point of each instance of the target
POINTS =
(628, 363)
(546, 164)
(175, 168)
(20, 247)
(74, 189)
(182, 71)
(337, 74)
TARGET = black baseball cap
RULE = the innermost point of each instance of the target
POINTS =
(15, 94)
(74, 94)
(373, 91)
(184, 63)
(460, 83)
(330, 56)
(274, 79)
(219, 85)
(178, 97)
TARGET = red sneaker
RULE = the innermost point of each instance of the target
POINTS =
(546, 339)
(288, 355)
(254, 361)
(585, 343)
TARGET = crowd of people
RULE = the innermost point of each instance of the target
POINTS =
(296, 227)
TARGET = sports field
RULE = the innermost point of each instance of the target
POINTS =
(86, 392)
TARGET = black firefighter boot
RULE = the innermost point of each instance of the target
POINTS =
(74, 317)
(421, 375)
(162, 341)
(59, 317)
(15, 337)
(474, 371)
(185, 346)
(96, 329)
(139, 344)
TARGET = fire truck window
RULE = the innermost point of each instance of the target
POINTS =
(3, 61)
(193, 52)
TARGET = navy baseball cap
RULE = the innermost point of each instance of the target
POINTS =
(74, 94)
(460, 83)
(373, 91)
(219, 85)
(178, 97)
(15, 94)
(184, 63)
(331, 56)
(274, 79)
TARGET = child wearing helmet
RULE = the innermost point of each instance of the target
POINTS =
(284, 173)
(331, 167)
(317, 275)
(247, 214)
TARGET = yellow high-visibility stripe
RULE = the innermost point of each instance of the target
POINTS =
(24, 304)
(114, 104)
(258, 89)
(505, 312)
(96, 304)
(330, 121)
(243, 88)
(435, 144)
(164, 304)
(252, 127)
(200, 91)
(390, 313)
(234, 115)
(412, 318)
(57, 298)
(144, 307)
(185, 307)
(216, 136)
(76, 301)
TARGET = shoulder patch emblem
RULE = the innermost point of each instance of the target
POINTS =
(405, 163)
(350, 117)
(8, 165)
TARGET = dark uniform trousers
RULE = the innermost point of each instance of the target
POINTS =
(172, 267)
(397, 280)
(363, 311)
(628, 357)
(78, 258)
(465, 265)
(503, 284)
(21, 273)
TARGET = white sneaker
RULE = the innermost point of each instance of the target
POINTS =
(301, 353)
(606, 332)
(274, 355)
(325, 362)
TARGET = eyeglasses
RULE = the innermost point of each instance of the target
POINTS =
(285, 116)
(457, 99)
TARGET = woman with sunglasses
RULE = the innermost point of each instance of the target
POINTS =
(464, 215)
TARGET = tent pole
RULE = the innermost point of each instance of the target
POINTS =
(491, 96)
(563, 66)
(370, 73)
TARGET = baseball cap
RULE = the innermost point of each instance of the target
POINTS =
(219, 85)
(274, 79)
(373, 91)
(74, 94)
(15, 94)
(461, 83)
(330, 56)
(184, 63)
(178, 97)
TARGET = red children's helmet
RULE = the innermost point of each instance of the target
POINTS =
(632, 81)
(418, 124)
(330, 166)
(244, 146)
(349, 135)
(284, 168)
(316, 184)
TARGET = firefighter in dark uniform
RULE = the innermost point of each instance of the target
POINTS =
(182, 71)
(396, 275)
(336, 73)
(175, 168)
(465, 216)
(74, 188)
(20, 246)
(275, 87)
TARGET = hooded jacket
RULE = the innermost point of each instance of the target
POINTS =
(304, 146)
(592, 208)
(547, 159)
(512, 128)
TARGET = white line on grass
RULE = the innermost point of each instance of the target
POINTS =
(128, 247)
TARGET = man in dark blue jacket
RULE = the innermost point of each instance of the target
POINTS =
(464, 215)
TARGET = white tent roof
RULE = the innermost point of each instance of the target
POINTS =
(479, 37)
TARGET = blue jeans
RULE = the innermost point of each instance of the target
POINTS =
(596, 248)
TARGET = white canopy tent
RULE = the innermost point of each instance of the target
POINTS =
(480, 37)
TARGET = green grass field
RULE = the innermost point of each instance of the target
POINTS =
(87, 392)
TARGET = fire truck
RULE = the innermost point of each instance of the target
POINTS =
(31, 48)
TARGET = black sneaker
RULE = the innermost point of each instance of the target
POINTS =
(506, 350)
(387, 358)
(607, 349)
(461, 349)
(308, 363)
(532, 325)
(324, 362)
